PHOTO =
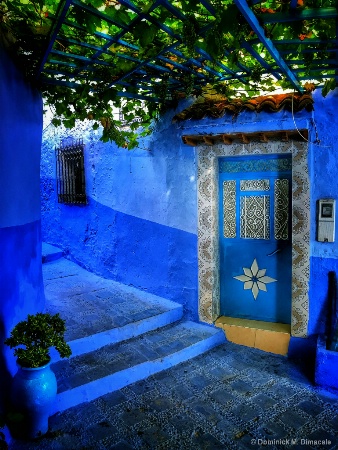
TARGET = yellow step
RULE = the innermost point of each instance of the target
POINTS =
(267, 336)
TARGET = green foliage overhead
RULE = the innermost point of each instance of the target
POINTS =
(35, 336)
(141, 57)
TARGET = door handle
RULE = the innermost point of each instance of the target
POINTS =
(274, 252)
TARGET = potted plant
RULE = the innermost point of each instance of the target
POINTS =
(34, 385)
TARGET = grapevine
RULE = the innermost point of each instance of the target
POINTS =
(190, 33)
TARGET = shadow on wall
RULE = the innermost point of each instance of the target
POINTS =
(331, 308)
(321, 293)
(324, 293)
(141, 253)
(5, 376)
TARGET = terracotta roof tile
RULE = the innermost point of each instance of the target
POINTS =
(273, 103)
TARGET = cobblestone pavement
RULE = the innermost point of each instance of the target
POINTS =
(232, 397)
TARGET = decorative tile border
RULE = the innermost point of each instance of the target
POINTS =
(208, 227)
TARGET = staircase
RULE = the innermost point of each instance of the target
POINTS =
(118, 334)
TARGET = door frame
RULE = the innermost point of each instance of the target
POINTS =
(208, 226)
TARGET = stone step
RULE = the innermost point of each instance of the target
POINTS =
(152, 319)
(267, 336)
(50, 253)
(98, 311)
(86, 377)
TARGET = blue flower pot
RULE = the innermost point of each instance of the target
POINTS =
(33, 394)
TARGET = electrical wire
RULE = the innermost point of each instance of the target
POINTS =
(317, 140)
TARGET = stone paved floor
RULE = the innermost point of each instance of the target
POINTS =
(92, 304)
(232, 397)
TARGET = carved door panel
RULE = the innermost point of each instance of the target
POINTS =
(255, 237)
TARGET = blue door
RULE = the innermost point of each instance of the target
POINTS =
(255, 237)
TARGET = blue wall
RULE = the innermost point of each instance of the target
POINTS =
(20, 226)
(324, 173)
(140, 225)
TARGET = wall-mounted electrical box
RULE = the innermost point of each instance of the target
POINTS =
(326, 220)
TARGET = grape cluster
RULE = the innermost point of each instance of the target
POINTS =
(190, 32)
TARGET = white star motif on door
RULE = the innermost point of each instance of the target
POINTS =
(255, 279)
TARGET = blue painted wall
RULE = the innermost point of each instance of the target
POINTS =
(324, 173)
(20, 226)
(141, 222)
(140, 225)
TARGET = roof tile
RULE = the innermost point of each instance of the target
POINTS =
(218, 108)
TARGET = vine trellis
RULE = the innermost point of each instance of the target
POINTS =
(141, 56)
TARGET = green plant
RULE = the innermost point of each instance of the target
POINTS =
(38, 334)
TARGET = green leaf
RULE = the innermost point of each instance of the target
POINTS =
(109, 95)
(92, 23)
(38, 334)
(111, 11)
(79, 16)
(148, 38)
(192, 4)
(139, 29)
(144, 33)
(329, 85)
(97, 3)
(326, 87)
(126, 66)
(147, 6)
(56, 122)
(60, 108)
(122, 16)
(211, 45)
(164, 14)
(229, 19)
(69, 123)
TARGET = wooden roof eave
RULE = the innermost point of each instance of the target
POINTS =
(245, 138)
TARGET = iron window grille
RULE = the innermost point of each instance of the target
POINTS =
(71, 187)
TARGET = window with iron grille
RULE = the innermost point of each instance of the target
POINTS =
(71, 188)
